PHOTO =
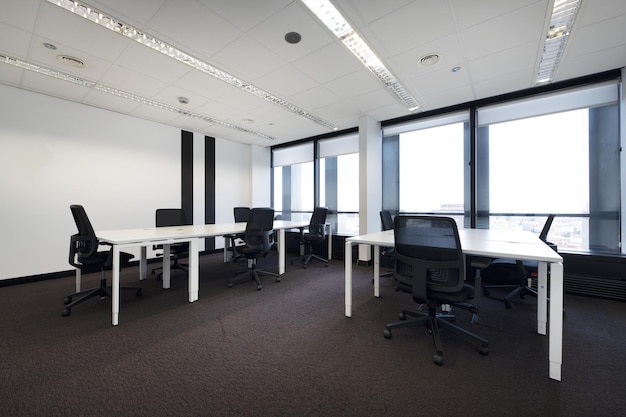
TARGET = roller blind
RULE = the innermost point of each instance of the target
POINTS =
(557, 102)
(291, 155)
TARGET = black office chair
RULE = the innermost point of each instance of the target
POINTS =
(431, 266)
(241, 215)
(386, 221)
(316, 233)
(257, 244)
(506, 273)
(85, 256)
(166, 217)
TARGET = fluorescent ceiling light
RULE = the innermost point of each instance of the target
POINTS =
(124, 94)
(561, 23)
(330, 16)
(89, 13)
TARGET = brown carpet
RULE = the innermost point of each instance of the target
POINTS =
(288, 350)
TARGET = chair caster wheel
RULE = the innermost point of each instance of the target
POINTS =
(139, 292)
(230, 285)
(438, 359)
(66, 312)
(508, 304)
(67, 300)
(277, 279)
(402, 316)
(259, 287)
(387, 334)
(486, 292)
(484, 350)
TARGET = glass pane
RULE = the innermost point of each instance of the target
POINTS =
(431, 170)
(293, 191)
(339, 191)
(540, 164)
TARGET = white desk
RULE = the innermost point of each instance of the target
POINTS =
(167, 236)
(492, 244)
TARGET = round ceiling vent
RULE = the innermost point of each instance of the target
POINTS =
(429, 60)
(71, 61)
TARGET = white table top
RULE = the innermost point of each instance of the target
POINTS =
(484, 242)
(156, 234)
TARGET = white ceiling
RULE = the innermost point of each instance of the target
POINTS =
(497, 43)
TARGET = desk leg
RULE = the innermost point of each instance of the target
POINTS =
(556, 320)
(194, 270)
(143, 263)
(166, 267)
(330, 241)
(376, 271)
(542, 298)
(115, 286)
(347, 256)
(228, 244)
(78, 279)
(282, 245)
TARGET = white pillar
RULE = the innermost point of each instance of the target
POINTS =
(370, 180)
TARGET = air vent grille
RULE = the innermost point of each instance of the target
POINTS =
(71, 61)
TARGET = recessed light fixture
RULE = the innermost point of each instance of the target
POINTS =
(293, 37)
(561, 23)
(87, 12)
(183, 100)
(50, 46)
(248, 121)
(71, 61)
(339, 26)
(455, 69)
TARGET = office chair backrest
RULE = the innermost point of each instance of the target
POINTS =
(317, 224)
(261, 218)
(259, 230)
(428, 255)
(170, 217)
(241, 214)
(386, 219)
(546, 228)
(85, 243)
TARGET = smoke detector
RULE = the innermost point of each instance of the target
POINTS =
(71, 61)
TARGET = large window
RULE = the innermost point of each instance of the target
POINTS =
(506, 165)
(339, 182)
(294, 182)
(432, 172)
(555, 154)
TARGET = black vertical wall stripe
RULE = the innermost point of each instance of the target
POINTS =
(209, 187)
(186, 152)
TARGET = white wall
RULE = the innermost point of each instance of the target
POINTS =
(260, 176)
(54, 153)
(232, 188)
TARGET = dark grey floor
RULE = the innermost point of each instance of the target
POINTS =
(288, 350)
